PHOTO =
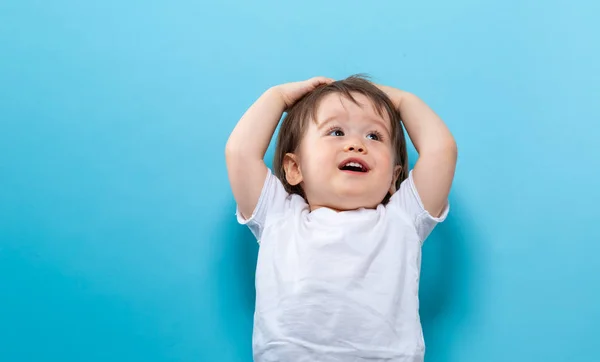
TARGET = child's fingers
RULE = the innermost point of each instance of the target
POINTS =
(313, 83)
(316, 81)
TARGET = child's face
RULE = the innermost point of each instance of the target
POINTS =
(345, 132)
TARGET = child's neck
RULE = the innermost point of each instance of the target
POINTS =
(314, 207)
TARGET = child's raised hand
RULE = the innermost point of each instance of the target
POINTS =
(394, 94)
(292, 92)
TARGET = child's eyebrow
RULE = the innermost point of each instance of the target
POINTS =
(382, 124)
(333, 118)
(327, 120)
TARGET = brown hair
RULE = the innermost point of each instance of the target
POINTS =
(293, 126)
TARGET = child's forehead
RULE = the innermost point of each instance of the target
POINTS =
(338, 104)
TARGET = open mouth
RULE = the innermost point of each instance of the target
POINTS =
(353, 165)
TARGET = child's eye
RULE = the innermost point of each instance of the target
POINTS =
(375, 136)
(335, 132)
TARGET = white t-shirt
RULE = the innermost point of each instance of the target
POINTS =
(338, 286)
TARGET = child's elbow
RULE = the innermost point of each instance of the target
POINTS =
(231, 148)
(449, 150)
(452, 146)
(452, 149)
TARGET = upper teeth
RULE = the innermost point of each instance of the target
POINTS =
(354, 164)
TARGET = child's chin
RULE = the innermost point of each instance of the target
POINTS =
(353, 201)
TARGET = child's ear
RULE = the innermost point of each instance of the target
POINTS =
(397, 171)
(293, 173)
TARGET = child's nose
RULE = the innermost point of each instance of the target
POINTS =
(353, 147)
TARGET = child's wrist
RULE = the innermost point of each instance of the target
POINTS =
(274, 94)
(394, 94)
(274, 91)
(400, 97)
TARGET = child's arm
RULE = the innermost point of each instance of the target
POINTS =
(434, 170)
(250, 139)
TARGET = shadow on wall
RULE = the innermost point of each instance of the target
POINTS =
(235, 291)
(447, 289)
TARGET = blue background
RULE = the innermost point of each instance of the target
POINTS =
(117, 233)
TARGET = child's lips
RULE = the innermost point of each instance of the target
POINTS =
(358, 173)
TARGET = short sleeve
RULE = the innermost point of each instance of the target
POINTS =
(407, 198)
(271, 200)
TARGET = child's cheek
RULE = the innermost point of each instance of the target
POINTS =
(321, 159)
